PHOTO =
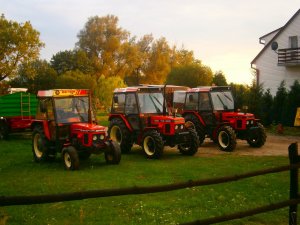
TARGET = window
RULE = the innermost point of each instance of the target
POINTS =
(118, 103)
(191, 101)
(130, 105)
(151, 102)
(204, 102)
(293, 41)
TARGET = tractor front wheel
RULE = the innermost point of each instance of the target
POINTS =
(194, 122)
(192, 147)
(70, 158)
(226, 138)
(257, 138)
(153, 144)
(119, 133)
(113, 153)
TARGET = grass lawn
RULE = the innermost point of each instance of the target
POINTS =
(19, 175)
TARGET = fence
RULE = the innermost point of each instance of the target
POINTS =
(292, 203)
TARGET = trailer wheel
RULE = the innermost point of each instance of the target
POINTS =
(40, 146)
(70, 158)
(191, 147)
(257, 138)
(153, 144)
(194, 122)
(4, 130)
(119, 133)
(113, 153)
(226, 138)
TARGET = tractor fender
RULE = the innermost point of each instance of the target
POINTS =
(45, 126)
(195, 114)
(123, 118)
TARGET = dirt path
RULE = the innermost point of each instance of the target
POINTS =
(274, 146)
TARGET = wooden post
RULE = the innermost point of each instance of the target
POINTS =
(294, 159)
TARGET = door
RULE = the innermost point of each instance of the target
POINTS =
(132, 112)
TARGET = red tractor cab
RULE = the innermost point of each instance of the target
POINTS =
(139, 115)
(211, 111)
(65, 123)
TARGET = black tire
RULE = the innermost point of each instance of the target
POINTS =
(113, 153)
(226, 138)
(258, 137)
(152, 144)
(192, 147)
(40, 146)
(70, 158)
(193, 121)
(119, 133)
(4, 130)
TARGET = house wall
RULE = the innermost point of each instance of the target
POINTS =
(270, 74)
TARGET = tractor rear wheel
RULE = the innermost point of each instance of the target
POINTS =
(193, 121)
(257, 138)
(70, 158)
(192, 147)
(153, 144)
(40, 146)
(226, 138)
(119, 133)
(113, 153)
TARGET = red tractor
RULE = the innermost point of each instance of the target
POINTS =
(65, 123)
(211, 111)
(139, 115)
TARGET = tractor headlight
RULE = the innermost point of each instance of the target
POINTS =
(94, 137)
(248, 122)
(181, 127)
(102, 137)
(176, 127)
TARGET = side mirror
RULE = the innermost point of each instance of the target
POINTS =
(43, 107)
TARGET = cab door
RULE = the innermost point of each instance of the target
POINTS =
(132, 112)
(205, 109)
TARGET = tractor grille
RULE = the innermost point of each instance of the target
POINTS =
(85, 139)
(167, 128)
(239, 123)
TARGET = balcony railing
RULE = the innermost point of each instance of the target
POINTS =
(289, 57)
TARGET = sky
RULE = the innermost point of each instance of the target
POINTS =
(223, 34)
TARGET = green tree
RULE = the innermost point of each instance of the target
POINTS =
(192, 75)
(254, 99)
(19, 43)
(75, 79)
(35, 75)
(280, 103)
(267, 104)
(219, 79)
(71, 60)
(104, 90)
(240, 93)
(293, 103)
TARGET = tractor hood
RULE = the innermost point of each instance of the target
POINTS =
(238, 115)
(166, 119)
(86, 127)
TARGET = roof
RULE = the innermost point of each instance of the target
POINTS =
(210, 88)
(275, 37)
(145, 88)
(63, 93)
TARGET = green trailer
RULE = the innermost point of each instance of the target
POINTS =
(17, 112)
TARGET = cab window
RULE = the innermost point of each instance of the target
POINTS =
(118, 103)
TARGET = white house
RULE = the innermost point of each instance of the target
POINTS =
(280, 58)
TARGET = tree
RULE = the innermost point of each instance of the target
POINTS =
(75, 79)
(71, 60)
(19, 43)
(219, 79)
(280, 103)
(192, 75)
(240, 93)
(35, 75)
(105, 88)
(267, 104)
(103, 41)
(293, 103)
